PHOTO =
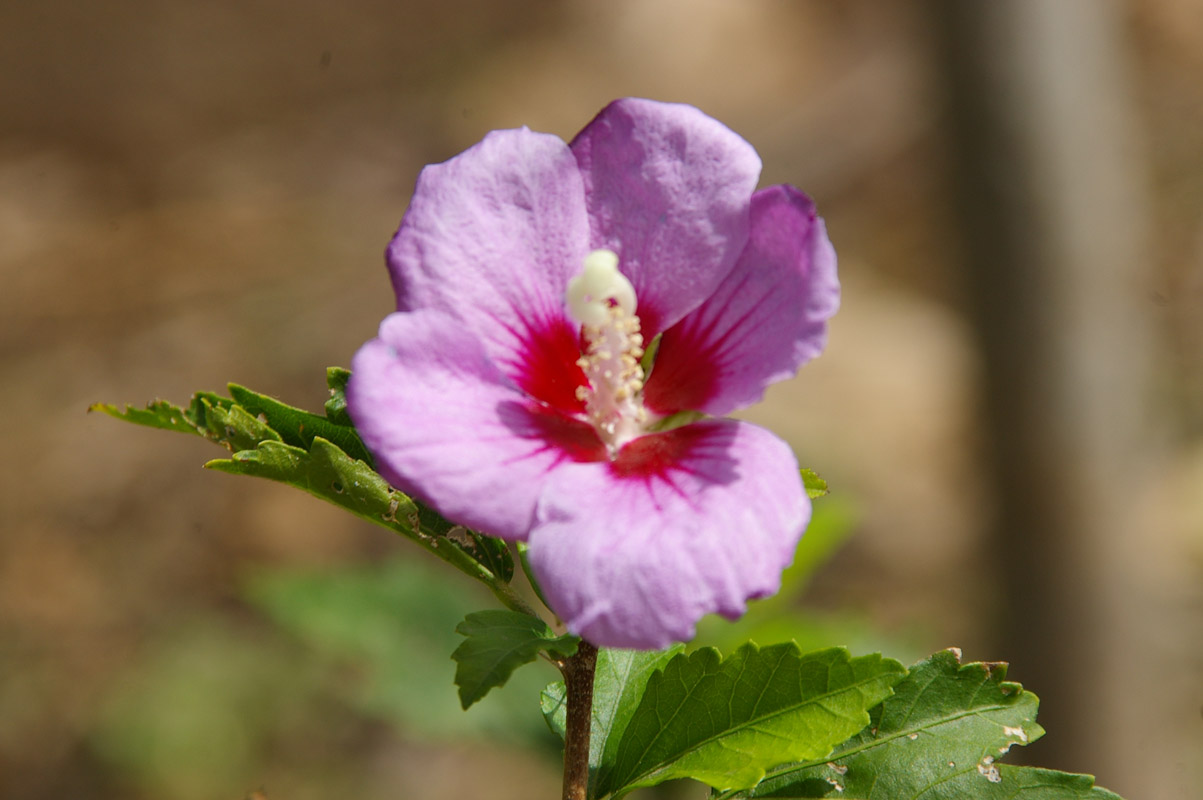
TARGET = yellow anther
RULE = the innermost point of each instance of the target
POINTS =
(603, 301)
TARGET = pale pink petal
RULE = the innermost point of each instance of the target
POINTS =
(695, 520)
(767, 318)
(445, 425)
(491, 238)
(667, 189)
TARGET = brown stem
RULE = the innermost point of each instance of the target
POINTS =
(578, 679)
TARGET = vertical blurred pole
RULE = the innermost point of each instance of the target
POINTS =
(1050, 204)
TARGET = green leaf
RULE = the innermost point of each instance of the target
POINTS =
(297, 427)
(210, 415)
(726, 721)
(524, 559)
(336, 406)
(493, 553)
(327, 472)
(498, 643)
(815, 486)
(936, 738)
(199, 412)
(618, 684)
(157, 414)
(648, 362)
(326, 458)
(677, 420)
(234, 426)
(1013, 783)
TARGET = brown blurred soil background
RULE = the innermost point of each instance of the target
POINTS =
(197, 193)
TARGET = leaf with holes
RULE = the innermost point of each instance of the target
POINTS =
(493, 553)
(297, 427)
(327, 472)
(210, 415)
(157, 414)
(235, 426)
(336, 405)
(937, 738)
(324, 457)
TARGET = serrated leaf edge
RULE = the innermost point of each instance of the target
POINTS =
(988, 670)
(562, 646)
(207, 410)
(641, 779)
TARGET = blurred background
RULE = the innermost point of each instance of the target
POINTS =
(1010, 411)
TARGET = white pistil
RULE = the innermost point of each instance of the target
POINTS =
(599, 286)
(603, 301)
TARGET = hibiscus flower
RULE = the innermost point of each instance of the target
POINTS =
(514, 392)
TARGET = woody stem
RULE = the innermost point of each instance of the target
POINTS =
(578, 680)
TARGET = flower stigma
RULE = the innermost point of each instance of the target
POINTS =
(603, 301)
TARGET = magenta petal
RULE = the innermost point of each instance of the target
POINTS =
(667, 189)
(695, 520)
(491, 238)
(445, 425)
(763, 322)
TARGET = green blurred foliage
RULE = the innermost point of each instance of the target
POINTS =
(787, 616)
(354, 645)
(345, 648)
(199, 711)
(389, 629)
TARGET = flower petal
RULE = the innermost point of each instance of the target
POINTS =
(491, 237)
(445, 425)
(667, 189)
(686, 522)
(763, 322)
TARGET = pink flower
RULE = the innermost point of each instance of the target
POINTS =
(507, 391)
